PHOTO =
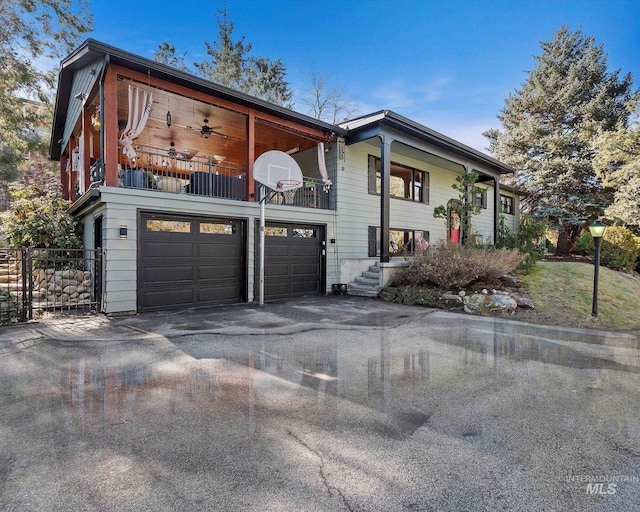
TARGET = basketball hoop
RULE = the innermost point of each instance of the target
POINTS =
(288, 189)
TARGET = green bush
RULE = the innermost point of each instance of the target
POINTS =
(451, 266)
(530, 232)
(41, 221)
(618, 250)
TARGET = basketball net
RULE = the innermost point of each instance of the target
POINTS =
(288, 189)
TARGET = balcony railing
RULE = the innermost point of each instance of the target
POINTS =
(157, 169)
(311, 194)
(179, 173)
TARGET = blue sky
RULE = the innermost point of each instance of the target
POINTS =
(446, 64)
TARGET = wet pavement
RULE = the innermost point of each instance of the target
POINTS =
(319, 404)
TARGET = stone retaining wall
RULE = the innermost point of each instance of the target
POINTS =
(62, 287)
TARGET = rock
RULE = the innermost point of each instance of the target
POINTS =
(86, 283)
(462, 293)
(451, 301)
(511, 281)
(524, 302)
(499, 292)
(501, 303)
(485, 291)
(70, 290)
(475, 303)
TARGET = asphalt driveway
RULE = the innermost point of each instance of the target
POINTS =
(317, 404)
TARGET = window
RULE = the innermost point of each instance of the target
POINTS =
(480, 197)
(401, 241)
(506, 203)
(275, 231)
(169, 226)
(406, 182)
(217, 228)
(305, 233)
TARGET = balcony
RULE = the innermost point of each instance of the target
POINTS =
(181, 173)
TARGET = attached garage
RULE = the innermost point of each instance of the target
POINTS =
(190, 261)
(294, 260)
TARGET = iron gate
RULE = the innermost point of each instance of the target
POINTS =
(48, 281)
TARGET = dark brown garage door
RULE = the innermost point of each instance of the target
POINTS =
(294, 260)
(189, 261)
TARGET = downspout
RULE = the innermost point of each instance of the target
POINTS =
(496, 209)
(103, 74)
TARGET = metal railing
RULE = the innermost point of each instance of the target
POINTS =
(179, 172)
(312, 194)
(48, 281)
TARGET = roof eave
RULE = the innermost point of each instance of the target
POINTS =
(91, 50)
(414, 129)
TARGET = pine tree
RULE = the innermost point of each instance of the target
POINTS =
(166, 54)
(549, 126)
(617, 157)
(30, 31)
(232, 65)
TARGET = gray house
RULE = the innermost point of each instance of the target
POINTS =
(159, 166)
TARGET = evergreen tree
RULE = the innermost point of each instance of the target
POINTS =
(265, 79)
(31, 31)
(617, 157)
(232, 65)
(549, 126)
(166, 54)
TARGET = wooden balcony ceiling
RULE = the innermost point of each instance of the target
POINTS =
(229, 137)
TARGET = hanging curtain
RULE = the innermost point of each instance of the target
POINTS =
(140, 102)
(322, 166)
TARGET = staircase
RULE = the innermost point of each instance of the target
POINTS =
(367, 284)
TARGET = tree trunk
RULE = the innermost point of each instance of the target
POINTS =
(562, 249)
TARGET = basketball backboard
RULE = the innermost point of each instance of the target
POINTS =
(277, 170)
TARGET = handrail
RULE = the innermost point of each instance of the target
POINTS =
(155, 169)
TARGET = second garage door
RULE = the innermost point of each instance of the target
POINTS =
(190, 261)
(294, 260)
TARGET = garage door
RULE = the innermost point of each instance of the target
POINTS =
(190, 261)
(294, 260)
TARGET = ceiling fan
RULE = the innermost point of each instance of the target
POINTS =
(187, 154)
(206, 130)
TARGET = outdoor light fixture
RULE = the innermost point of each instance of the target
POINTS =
(95, 118)
(597, 230)
(123, 231)
(168, 119)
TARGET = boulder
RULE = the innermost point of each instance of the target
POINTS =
(524, 302)
(475, 303)
(511, 281)
(451, 301)
(501, 303)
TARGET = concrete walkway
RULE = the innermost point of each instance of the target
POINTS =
(324, 403)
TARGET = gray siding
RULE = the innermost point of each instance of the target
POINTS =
(83, 82)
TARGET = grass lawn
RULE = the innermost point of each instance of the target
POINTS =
(563, 291)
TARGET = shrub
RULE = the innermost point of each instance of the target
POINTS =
(452, 266)
(41, 221)
(531, 231)
(618, 250)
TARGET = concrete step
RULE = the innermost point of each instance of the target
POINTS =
(365, 281)
(374, 268)
(371, 275)
(361, 291)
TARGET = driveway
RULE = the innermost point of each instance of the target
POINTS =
(317, 404)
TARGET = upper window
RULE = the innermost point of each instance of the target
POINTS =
(506, 202)
(406, 182)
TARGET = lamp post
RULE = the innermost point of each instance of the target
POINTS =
(597, 230)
